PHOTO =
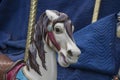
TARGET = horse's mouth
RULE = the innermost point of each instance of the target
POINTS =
(62, 60)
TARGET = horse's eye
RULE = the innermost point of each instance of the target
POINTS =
(58, 30)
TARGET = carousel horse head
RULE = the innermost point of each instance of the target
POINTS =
(57, 30)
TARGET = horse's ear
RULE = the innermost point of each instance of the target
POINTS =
(51, 15)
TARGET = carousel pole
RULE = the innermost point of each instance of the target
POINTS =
(96, 10)
(31, 24)
(118, 25)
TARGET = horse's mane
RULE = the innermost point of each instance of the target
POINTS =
(40, 32)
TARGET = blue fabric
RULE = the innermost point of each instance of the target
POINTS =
(77, 74)
(20, 75)
(100, 48)
(80, 11)
(97, 42)
(108, 6)
(13, 27)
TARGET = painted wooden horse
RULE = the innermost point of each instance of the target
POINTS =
(52, 34)
(117, 77)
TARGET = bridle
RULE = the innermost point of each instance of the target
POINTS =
(51, 38)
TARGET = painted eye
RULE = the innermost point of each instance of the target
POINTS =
(58, 30)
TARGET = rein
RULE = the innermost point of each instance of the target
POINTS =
(53, 40)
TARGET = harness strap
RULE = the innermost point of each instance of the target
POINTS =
(13, 70)
(52, 39)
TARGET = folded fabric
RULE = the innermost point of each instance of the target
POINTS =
(80, 74)
(3, 38)
(14, 49)
(98, 44)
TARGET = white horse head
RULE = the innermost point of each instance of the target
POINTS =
(52, 34)
(59, 37)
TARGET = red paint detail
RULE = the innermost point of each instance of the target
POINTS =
(48, 41)
(54, 42)
(11, 75)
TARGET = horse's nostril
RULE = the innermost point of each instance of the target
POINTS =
(70, 53)
(78, 55)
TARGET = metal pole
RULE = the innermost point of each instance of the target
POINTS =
(96, 11)
(31, 24)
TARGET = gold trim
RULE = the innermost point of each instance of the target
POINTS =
(31, 23)
(96, 11)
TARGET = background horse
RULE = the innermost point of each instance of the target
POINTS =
(117, 77)
(52, 34)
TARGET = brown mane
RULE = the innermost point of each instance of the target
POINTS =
(40, 34)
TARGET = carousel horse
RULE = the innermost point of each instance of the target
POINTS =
(117, 77)
(52, 34)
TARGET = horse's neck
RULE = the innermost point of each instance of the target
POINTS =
(50, 73)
